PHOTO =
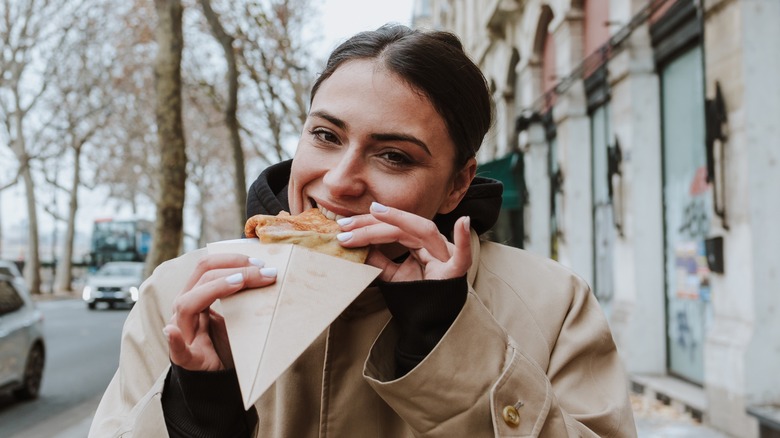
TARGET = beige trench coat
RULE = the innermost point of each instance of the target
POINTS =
(531, 338)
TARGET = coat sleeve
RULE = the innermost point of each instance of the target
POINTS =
(479, 382)
(132, 399)
(131, 405)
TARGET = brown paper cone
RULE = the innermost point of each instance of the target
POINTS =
(270, 327)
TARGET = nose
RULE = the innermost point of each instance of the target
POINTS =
(345, 177)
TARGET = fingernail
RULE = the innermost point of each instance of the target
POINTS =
(235, 278)
(344, 221)
(467, 223)
(268, 272)
(343, 237)
(377, 207)
(257, 262)
(166, 333)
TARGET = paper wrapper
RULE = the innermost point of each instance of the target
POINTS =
(270, 327)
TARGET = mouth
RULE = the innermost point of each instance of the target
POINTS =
(325, 212)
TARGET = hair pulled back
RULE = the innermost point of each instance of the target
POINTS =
(433, 63)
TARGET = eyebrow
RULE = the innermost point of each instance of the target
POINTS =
(402, 137)
(390, 136)
(331, 118)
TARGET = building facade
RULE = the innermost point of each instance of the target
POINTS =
(639, 142)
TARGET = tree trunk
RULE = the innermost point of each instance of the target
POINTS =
(203, 213)
(226, 41)
(32, 262)
(170, 133)
(64, 276)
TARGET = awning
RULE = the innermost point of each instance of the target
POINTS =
(508, 170)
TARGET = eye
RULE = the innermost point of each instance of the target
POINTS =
(396, 158)
(324, 136)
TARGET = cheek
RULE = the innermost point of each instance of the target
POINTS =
(305, 165)
(421, 196)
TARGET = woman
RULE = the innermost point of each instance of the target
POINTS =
(462, 338)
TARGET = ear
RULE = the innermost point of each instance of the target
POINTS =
(460, 184)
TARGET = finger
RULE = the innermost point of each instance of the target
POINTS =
(420, 228)
(219, 261)
(178, 349)
(411, 231)
(225, 272)
(386, 233)
(202, 296)
(461, 255)
(378, 260)
(187, 306)
(358, 221)
(219, 338)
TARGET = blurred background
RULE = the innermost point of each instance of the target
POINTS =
(637, 141)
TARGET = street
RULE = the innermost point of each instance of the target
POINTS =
(82, 355)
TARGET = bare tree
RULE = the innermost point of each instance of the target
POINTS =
(231, 105)
(168, 228)
(29, 31)
(81, 101)
(212, 190)
(212, 196)
(278, 70)
(128, 157)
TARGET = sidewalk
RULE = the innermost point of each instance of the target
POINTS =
(656, 420)
(59, 295)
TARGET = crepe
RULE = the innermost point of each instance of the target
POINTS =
(309, 229)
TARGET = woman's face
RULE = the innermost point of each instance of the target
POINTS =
(371, 137)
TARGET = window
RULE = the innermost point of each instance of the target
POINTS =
(10, 300)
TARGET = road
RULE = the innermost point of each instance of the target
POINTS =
(83, 350)
(82, 356)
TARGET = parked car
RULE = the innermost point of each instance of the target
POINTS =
(10, 269)
(114, 283)
(22, 348)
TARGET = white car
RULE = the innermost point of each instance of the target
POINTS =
(22, 348)
(114, 283)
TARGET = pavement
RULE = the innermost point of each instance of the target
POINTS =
(72, 423)
(59, 295)
(656, 420)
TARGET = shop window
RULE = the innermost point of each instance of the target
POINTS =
(604, 235)
(687, 200)
(509, 229)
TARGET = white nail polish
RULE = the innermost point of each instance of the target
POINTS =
(377, 207)
(268, 272)
(343, 237)
(257, 262)
(235, 278)
(344, 221)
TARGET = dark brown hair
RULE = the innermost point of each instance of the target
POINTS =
(434, 63)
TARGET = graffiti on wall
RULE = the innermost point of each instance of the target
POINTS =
(692, 273)
(691, 284)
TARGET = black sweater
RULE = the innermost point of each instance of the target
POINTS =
(208, 404)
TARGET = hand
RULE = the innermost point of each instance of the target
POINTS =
(432, 257)
(196, 334)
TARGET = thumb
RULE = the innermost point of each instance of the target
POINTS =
(378, 260)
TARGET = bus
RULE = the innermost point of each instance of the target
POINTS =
(113, 240)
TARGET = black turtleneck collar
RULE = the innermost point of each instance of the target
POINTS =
(268, 195)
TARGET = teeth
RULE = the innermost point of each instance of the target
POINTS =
(330, 215)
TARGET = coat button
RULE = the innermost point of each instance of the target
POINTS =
(511, 416)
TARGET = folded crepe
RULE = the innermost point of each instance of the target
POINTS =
(310, 229)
